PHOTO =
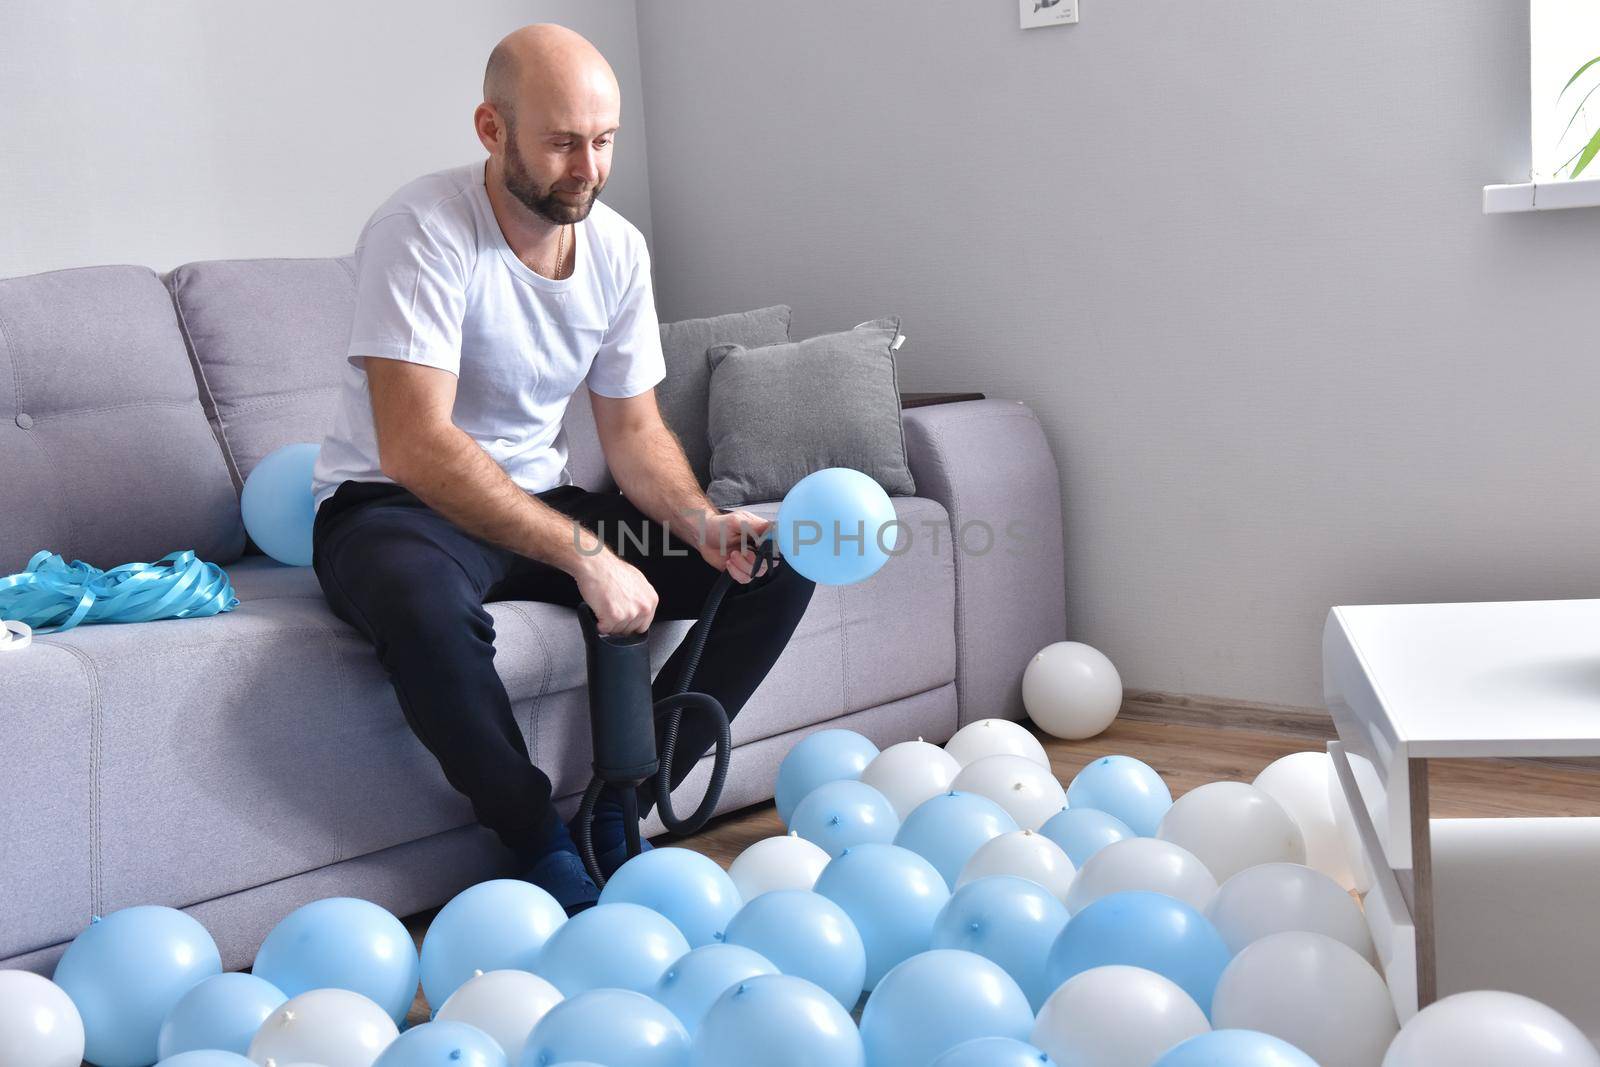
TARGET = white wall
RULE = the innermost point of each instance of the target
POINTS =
(1232, 253)
(160, 133)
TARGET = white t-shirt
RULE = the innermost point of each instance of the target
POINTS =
(437, 284)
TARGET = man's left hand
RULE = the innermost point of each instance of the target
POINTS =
(730, 542)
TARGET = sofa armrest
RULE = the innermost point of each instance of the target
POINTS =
(988, 463)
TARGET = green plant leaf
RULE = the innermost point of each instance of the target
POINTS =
(1588, 154)
(1577, 111)
(1576, 75)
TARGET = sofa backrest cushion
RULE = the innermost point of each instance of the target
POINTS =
(268, 339)
(105, 455)
(685, 395)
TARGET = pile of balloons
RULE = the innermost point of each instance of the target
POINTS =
(929, 906)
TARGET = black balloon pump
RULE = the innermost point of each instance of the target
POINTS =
(623, 718)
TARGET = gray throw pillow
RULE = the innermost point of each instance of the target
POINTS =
(682, 396)
(781, 411)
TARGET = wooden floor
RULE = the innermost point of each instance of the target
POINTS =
(1188, 753)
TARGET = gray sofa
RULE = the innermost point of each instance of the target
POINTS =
(241, 765)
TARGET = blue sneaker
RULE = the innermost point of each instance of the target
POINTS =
(562, 875)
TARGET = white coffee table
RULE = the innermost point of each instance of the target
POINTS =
(1474, 903)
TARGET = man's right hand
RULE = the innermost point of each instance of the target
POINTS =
(621, 597)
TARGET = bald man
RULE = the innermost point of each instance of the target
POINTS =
(486, 295)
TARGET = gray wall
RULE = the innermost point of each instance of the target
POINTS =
(1230, 252)
(157, 133)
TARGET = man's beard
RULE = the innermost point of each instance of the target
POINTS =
(546, 204)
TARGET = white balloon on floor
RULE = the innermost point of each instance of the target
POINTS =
(1028, 792)
(1025, 854)
(911, 772)
(333, 1027)
(1071, 690)
(1490, 1029)
(1232, 826)
(1143, 863)
(788, 862)
(996, 737)
(1273, 898)
(506, 1005)
(1299, 782)
(1116, 1015)
(39, 1024)
(1316, 993)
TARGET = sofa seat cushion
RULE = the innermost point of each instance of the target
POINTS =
(105, 455)
(211, 755)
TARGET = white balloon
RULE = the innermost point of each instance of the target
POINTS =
(39, 1024)
(909, 773)
(1232, 826)
(506, 1005)
(1142, 863)
(1028, 792)
(1025, 854)
(789, 862)
(1314, 992)
(333, 1027)
(1276, 897)
(1490, 1029)
(1366, 776)
(1071, 690)
(996, 737)
(1299, 782)
(1115, 1017)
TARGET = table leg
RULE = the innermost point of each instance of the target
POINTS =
(1416, 885)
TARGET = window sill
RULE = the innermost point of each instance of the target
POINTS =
(1541, 196)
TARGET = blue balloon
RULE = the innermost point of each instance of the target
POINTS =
(611, 946)
(807, 935)
(206, 1057)
(221, 1012)
(777, 1020)
(442, 1043)
(948, 828)
(499, 925)
(994, 1052)
(681, 884)
(342, 943)
(1142, 929)
(937, 1000)
(819, 758)
(837, 526)
(694, 983)
(1124, 787)
(277, 503)
(839, 815)
(610, 1026)
(1234, 1048)
(126, 972)
(892, 895)
(1009, 921)
(1081, 832)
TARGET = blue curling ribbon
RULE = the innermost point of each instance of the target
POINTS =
(53, 595)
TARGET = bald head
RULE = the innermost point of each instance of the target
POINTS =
(551, 109)
(549, 68)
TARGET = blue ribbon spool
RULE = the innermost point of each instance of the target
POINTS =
(53, 595)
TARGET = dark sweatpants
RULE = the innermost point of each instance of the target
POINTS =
(414, 584)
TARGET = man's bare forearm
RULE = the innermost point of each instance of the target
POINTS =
(654, 474)
(453, 475)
